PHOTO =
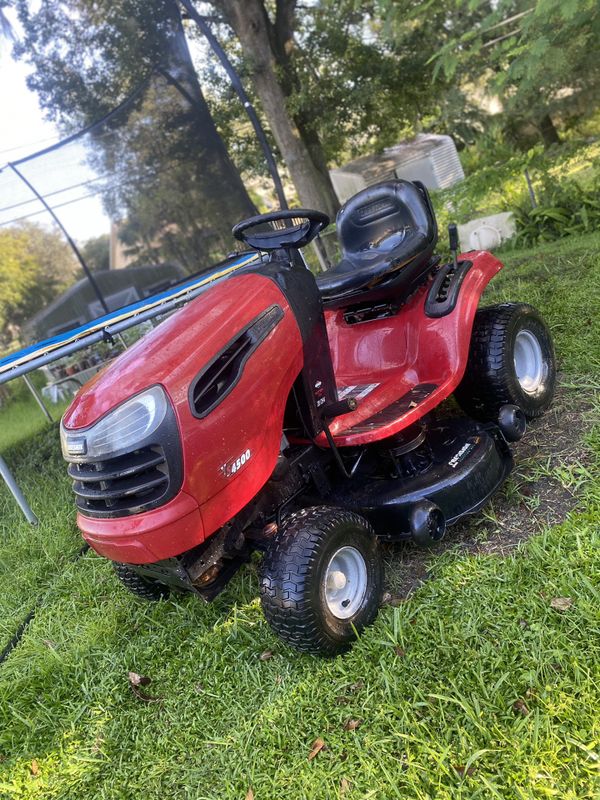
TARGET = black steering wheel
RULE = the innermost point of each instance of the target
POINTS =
(293, 227)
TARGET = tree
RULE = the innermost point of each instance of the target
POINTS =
(268, 44)
(532, 55)
(36, 266)
(358, 82)
(96, 253)
(87, 56)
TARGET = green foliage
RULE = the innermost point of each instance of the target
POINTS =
(361, 82)
(96, 253)
(539, 58)
(564, 208)
(495, 179)
(36, 265)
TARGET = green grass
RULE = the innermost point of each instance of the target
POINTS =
(434, 682)
(23, 418)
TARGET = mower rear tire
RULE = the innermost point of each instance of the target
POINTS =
(511, 361)
(140, 586)
(322, 580)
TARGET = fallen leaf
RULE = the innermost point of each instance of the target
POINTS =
(344, 785)
(266, 655)
(394, 600)
(250, 794)
(399, 652)
(141, 695)
(386, 599)
(354, 687)
(352, 724)
(34, 767)
(138, 680)
(520, 707)
(317, 746)
(462, 770)
(561, 603)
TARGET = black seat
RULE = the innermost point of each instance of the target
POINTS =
(387, 233)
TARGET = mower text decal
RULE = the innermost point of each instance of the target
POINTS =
(461, 455)
(235, 464)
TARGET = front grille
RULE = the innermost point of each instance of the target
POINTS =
(127, 484)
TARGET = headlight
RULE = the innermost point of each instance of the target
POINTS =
(121, 430)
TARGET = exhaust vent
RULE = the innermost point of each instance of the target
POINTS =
(217, 379)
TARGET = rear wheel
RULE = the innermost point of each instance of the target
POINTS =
(322, 580)
(511, 361)
(138, 585)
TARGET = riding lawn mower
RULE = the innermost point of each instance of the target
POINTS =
(300, 417)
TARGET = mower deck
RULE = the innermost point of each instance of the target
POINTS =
(458, 466)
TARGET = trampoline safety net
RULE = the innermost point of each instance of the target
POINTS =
(148, 194)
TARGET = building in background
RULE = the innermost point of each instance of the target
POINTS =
(119, 287)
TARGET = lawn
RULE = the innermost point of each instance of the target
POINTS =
(480, 685)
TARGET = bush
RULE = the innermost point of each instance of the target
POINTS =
(563, 209)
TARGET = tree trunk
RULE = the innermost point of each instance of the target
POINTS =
(547, 131)
(250, 22)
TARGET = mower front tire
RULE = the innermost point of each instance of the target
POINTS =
(322, 580)
(511, 362)
(138, 585)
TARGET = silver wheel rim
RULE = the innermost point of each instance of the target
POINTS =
(529, 361)
(345, 582)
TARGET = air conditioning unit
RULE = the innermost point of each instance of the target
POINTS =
(429, 158)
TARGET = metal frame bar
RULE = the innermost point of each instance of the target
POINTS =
(13, 487)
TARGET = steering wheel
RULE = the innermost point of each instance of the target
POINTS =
(293, 227)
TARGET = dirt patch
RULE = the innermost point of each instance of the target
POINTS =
(534, 496)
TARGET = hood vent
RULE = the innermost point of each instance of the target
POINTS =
(218, 378)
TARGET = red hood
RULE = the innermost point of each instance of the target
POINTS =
(178, 347)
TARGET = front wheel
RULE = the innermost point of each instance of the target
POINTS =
(511, 361)
(322, 580)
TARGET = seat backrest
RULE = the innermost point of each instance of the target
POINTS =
(389, 219)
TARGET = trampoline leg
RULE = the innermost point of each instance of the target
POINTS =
(38, 398)
(16, 492)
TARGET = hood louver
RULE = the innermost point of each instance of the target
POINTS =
(218, 378)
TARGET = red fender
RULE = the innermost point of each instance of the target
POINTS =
(395, 354)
